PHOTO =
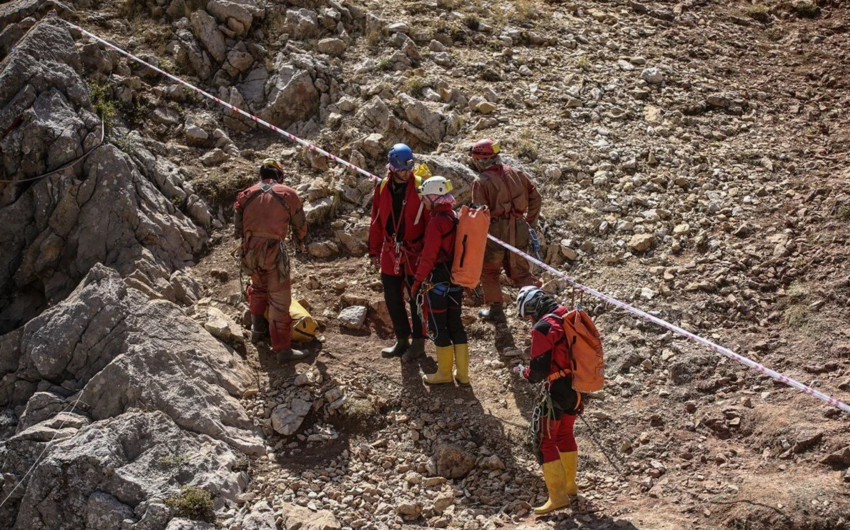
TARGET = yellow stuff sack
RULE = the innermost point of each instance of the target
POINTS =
(304, 326)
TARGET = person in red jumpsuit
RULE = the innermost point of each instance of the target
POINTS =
(445, 300)
(263, 215)
(550, 362)
(395, 243)
(514, 204)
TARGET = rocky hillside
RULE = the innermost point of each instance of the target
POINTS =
(693, 157)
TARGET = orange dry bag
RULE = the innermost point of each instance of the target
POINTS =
(472, 227)
(585, 346)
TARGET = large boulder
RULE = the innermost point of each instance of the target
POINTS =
(114, 471)
(461, 176)
(237, 14)
(302, 23)
(427, 124)
(105, 209)
(206, 31)
(291, 97)
(123, 350)
(189, 55)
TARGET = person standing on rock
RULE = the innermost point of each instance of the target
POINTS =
(264, 213)
(444, 299)
(559, 404)
(514, 204)
(395, 244)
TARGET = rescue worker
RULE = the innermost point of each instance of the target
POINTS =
(550, 361)
(264, 213)
(514, 204)
(444, 299)
(395, 243)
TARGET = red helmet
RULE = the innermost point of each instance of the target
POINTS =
(486, 148)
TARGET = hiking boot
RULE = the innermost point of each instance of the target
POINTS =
(416, 350)
(397, 349)
(259, 328)
(496, 313)
(286, 356)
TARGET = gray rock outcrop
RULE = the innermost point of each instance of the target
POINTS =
(106, 209)
(113, 472)
(123, 350)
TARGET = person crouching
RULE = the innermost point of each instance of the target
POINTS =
(444, 299)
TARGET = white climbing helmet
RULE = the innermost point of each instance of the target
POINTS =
(528, 299)
(435, 186)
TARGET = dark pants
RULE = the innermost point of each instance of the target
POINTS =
(444, 314)
(394, 288)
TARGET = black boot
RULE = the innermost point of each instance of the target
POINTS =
(259, 328)
(398, 349)
(416, 350)
(495, 314)
(285, 356)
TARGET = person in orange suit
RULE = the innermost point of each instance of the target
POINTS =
(264, 214)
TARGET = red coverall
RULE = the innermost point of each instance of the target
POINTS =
(514, 204)
(263, 215)
(550, 359)
(397, 237)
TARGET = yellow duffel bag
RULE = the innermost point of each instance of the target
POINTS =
(304, 326)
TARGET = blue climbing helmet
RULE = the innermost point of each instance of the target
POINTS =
(400, 157)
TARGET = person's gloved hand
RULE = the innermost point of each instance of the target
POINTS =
(376, 262)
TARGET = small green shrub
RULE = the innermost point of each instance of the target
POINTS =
(374, 38)
(759, 12)
(844, 213)
(220, 189)
(385, 64)
(472, 22)
(524, 10)
(806, 9)
(175, 461)
(525, 149)
(415, 85)
(583, 63)
(193, 503)
(797, 290)
(105, 105)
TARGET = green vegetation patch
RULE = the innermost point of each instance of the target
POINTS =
(193, 503)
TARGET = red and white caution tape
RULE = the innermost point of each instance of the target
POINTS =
(234, 108)
(602, 296)
(676, 329)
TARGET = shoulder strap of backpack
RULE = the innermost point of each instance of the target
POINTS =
(268, 188)
(562, 339)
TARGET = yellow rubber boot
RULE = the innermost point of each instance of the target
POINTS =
(462, 363)
(570, 462)
(556, 483)
(445, 357)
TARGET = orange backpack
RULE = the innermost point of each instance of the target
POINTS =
(473, 226)
(585, 347)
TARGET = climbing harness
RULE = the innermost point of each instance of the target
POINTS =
(426, 315)
(543, 410)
